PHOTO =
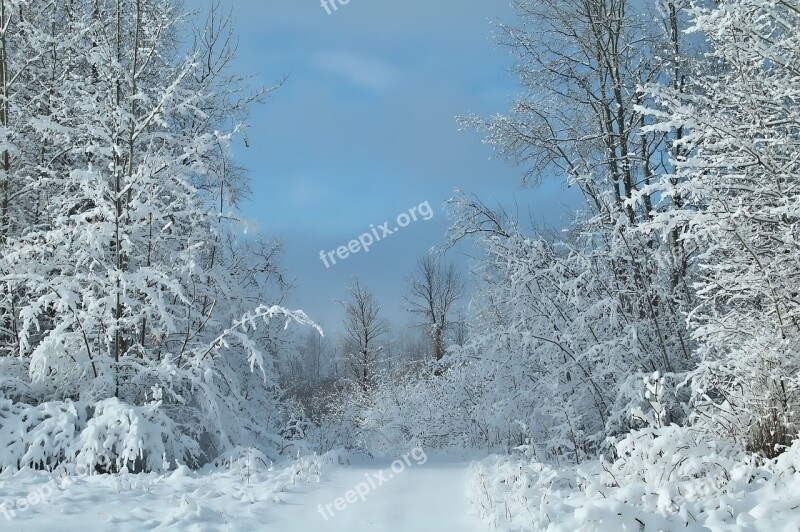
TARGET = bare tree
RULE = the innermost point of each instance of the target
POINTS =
(434, 290)
(364, 329)
(460, 330)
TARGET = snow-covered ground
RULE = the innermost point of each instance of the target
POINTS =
(244, 496)
(248, 497)
(428, 497)
(682, 487)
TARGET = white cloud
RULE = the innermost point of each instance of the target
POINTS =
(365, 72)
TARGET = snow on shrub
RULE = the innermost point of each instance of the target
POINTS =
(240, 455)
(304, 468)
(38, 437)
(196, 410)
(664, 479)
(135, 438)
(110, 436)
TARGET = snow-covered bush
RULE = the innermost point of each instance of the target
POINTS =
(422, 410)
(108, 436)
(122, 437)
(39, 437)
(665, 479)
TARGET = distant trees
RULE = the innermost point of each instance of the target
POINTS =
(315, 351)
(364, 336)
(433, 291)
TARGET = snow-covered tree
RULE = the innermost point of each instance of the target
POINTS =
(365, 332)
(434, 289)
(736, 175)
(124, 275)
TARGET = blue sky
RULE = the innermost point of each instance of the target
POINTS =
(364, 129)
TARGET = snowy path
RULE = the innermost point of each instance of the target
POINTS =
(424, 497)
(429, 497)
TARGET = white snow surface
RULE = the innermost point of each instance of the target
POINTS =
(429, 497)
(247, 497)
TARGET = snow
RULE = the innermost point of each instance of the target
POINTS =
(247, 496)
(429, 497)
(637, 370)
(677, 486)
(441, 494)
(241, 496)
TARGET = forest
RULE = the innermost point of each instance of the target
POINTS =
(634, 370)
